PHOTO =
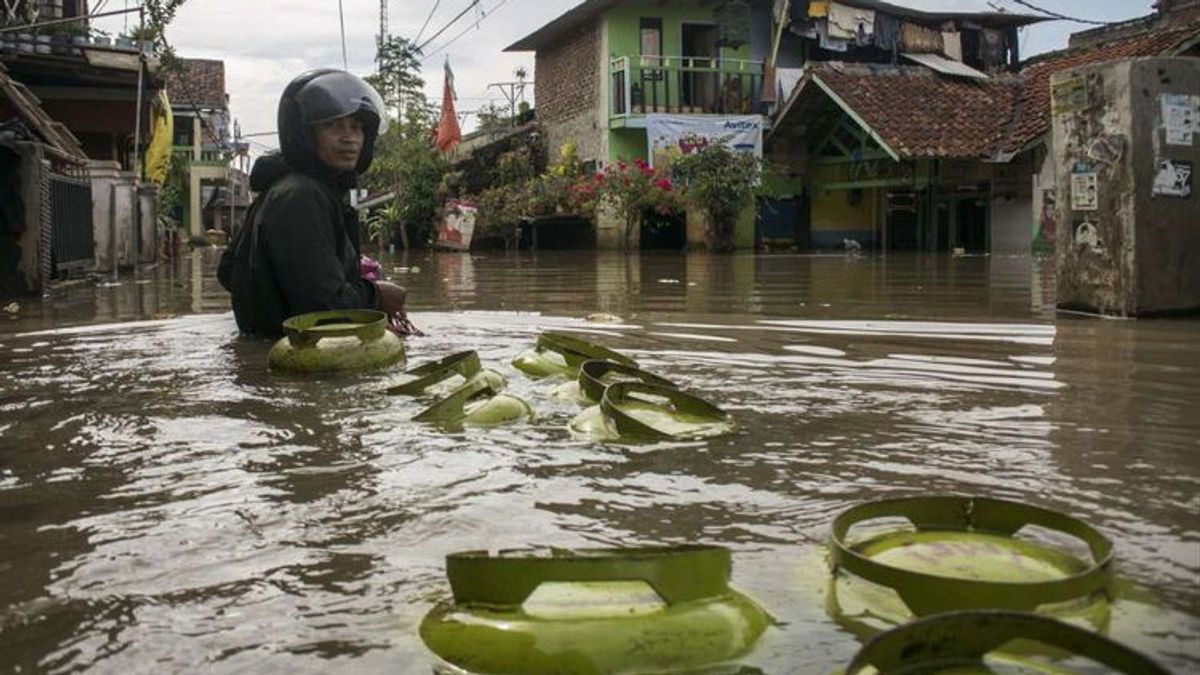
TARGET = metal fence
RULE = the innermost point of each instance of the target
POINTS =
(73, 235)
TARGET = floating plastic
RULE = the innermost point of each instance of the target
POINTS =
(336, 341)
(463, 364)
(481, 402)
(595, 376)
(558, 354)
(641, 411)
(592, 611)
(963, 553)
(983, 642)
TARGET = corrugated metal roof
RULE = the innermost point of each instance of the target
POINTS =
(946, 66)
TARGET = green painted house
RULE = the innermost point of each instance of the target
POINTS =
(606, 64)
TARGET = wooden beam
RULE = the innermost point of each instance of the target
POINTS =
(854, 116)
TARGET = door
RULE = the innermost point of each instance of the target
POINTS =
(701, 55)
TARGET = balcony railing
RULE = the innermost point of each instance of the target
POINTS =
(686, 85)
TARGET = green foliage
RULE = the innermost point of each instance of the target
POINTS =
(172, 198)
(159, 15)
(405, 159)
(633, 189)
(399, 79)
(720, 182)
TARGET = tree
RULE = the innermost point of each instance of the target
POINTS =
(720, 182)
(399, 79)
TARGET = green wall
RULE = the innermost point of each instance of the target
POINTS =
(627, 145)
(622, 26)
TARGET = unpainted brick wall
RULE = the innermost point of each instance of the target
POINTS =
(568, 92)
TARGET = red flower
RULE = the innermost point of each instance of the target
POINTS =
(663, 184)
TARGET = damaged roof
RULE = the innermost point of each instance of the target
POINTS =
(1032, 117)
(913, 112)
(199, 84)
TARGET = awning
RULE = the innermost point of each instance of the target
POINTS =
(946, 66)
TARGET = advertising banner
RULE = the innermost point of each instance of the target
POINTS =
(671, 136)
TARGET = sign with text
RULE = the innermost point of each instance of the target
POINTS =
(671, 136)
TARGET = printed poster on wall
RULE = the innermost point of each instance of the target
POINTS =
(1180, 115)
(671, 136)
(1085, 192)
(1174, 179)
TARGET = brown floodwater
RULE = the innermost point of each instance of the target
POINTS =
(167, 504)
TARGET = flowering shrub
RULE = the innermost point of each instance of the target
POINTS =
(720, 182)
(633, 189)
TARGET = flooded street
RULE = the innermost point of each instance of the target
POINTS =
(168, 504)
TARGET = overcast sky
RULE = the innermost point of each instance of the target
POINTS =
(265, 43)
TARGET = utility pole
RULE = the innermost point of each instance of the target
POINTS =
(383, 32)
(513, 91)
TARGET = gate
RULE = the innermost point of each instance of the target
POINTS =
(73, 239)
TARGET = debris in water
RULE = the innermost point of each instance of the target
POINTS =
(12, 309)
(601, 317)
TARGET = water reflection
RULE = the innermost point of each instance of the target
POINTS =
(164, 498)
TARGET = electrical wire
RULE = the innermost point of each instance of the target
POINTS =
(456, 38)
(1056, 15)
(443, 29)
(427, 20)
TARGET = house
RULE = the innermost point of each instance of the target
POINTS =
(203, 143)
(90, 90)
(938, 150)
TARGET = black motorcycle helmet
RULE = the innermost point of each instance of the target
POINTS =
(322, 95)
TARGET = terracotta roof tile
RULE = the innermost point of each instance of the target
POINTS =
(201, 84)
(920, 113)
(1034, 112)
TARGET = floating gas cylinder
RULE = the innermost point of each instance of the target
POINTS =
(480, 402)
(592, 611)
(558, 354)
(445, 371)
(639, 411)
(992, 641)
(336, 341)
(946, 553)
(596, 376)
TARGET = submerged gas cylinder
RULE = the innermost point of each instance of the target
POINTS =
(639, 411)
(480, 402)
(596, 376)
(335, 342)
(592, 611)
(990, 641)
(452, 370)
(558, 354)
(961, 553)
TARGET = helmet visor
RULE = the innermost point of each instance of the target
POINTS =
(339, 94)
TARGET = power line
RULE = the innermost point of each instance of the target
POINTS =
(1056, 15)
(427, 20)
(474, 26)
(445, 28)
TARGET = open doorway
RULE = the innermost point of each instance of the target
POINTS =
(699, 90)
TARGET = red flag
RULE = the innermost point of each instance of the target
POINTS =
(448, 132)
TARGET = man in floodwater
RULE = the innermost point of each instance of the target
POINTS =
(299, 250)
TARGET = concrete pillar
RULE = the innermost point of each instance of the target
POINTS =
(29, 266)
(1125, 153)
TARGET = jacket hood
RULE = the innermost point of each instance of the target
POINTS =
(267, 171)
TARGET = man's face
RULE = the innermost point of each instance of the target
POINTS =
(339, 143)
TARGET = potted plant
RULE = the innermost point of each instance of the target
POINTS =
(144, 38)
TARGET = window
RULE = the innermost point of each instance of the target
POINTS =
(651, 32)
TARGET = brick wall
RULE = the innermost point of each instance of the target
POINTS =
(568, 93)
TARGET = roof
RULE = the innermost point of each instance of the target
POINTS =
(913, 112)
(1033, 113)
(986, 19)
(200, 83)
(573, 19)
(946, 66)
(589, 10)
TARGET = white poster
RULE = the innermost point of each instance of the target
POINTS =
(1179, 114)
(671, 136)
(458, 226)
(1174, 179)
(1085, 194)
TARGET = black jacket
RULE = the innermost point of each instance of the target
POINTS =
(298, 252)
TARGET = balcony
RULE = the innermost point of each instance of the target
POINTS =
(683, 85)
